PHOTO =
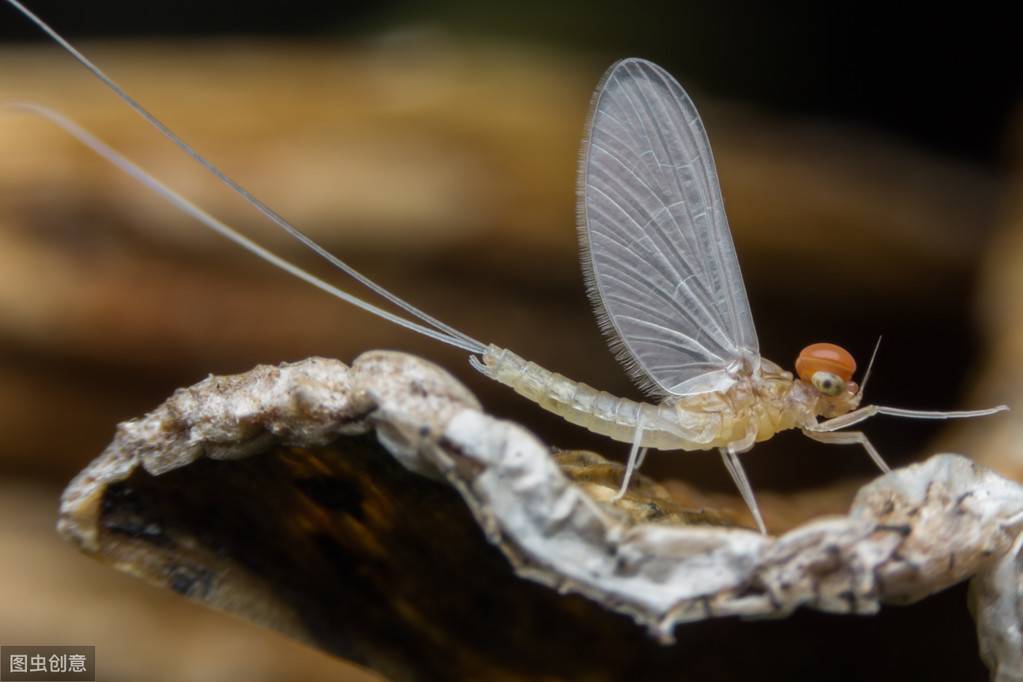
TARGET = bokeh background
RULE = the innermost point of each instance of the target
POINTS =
(870, 167)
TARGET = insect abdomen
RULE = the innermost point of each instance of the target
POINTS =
(583, 405)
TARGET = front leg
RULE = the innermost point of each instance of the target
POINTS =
(848, 438)
(868, 411)
(847, 419)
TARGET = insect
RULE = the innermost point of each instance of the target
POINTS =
(662, 273)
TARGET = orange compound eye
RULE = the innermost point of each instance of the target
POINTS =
(825, 357)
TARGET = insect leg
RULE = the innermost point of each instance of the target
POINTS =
(849, 438)
(848, 419)
(636, 457)
(868, 411)
(729, 456)
(731, 459)
(642, 457)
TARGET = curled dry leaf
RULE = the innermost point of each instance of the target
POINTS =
(321, 500)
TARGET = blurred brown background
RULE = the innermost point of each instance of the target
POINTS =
(869, 165)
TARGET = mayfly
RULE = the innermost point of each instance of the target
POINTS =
(662, 273)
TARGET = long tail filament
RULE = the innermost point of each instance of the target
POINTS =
(444, 332)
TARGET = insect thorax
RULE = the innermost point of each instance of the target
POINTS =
(765, 402)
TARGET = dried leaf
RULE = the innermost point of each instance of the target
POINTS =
(378, 513)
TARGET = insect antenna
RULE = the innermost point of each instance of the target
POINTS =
(444, 332)
(870, 365)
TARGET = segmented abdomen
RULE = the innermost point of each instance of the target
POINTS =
(665, 427)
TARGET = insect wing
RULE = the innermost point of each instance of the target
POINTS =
(661, 267)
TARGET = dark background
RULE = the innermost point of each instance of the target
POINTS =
(946, 78)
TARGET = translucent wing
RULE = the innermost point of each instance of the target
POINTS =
(659, 258)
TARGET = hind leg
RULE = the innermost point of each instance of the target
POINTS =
(636, 457)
